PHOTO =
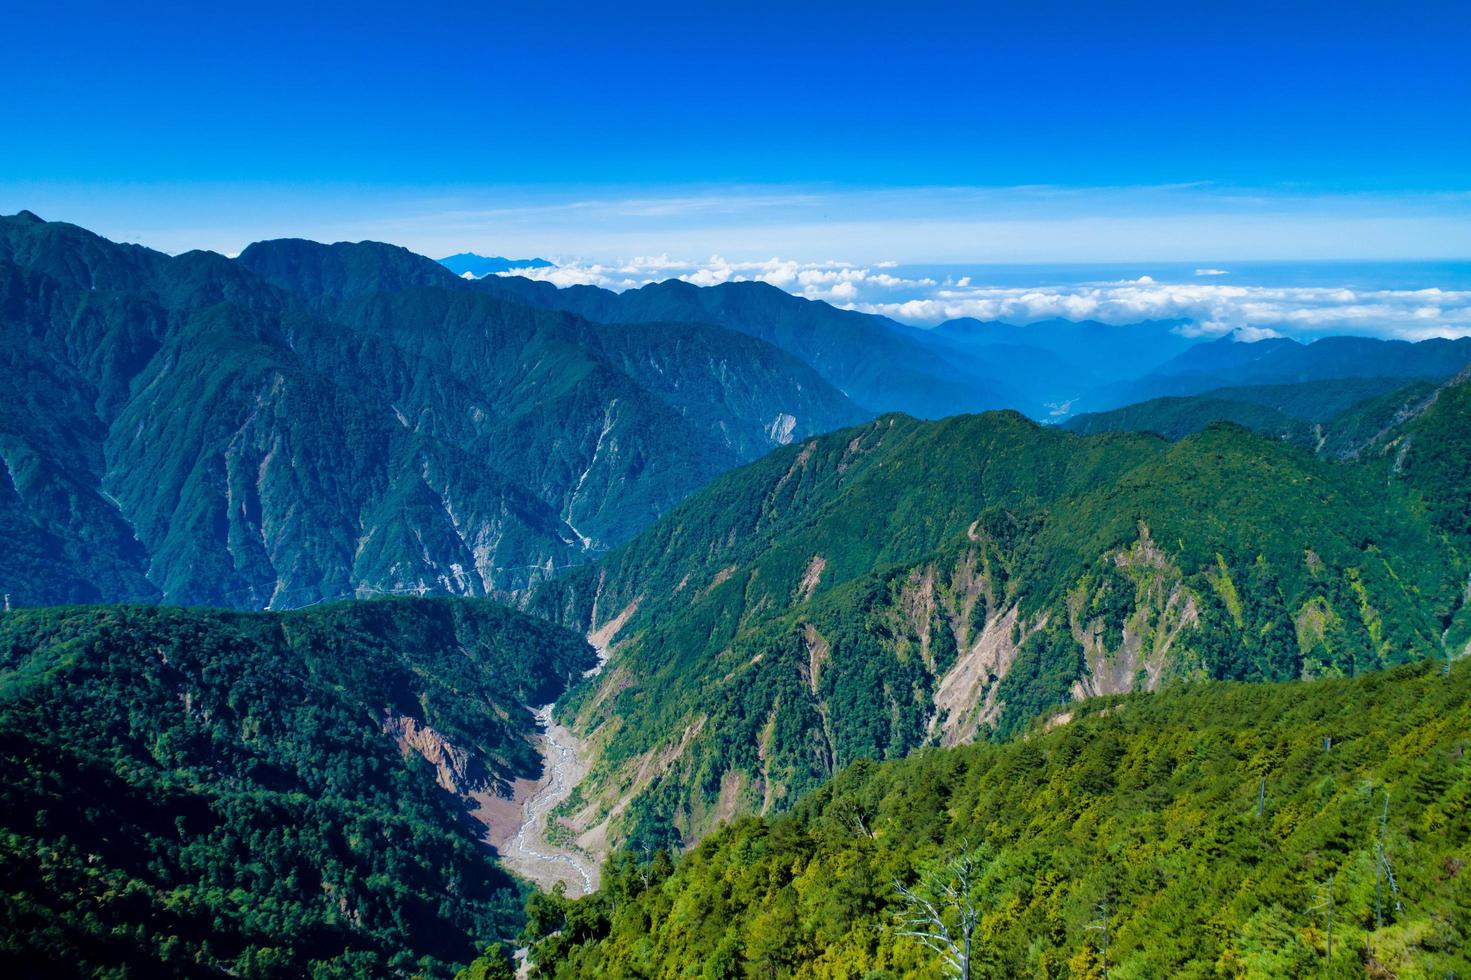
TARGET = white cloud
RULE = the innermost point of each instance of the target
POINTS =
(1212, 272)
(836, 282)
(1255, 311)
(1211, 308)
(577, 274)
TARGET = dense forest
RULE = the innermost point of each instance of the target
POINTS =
(1208, 830)
(197, 793)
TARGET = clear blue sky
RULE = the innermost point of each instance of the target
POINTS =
(212, 120)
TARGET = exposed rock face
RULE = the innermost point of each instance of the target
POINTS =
(966, 695)
(781, 429)
(811, 578)
(1161, 606)
(454, 769)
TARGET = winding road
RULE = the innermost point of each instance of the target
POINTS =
(529, 853)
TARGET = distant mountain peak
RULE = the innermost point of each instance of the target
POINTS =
(1230, 340)
(475, 266)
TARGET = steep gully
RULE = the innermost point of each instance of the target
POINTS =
(529, 853)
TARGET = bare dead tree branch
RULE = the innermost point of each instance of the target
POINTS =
(941, 911)
(856, 819)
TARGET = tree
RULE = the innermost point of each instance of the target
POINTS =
(1326, 907)
(942, 910)
(493, 964)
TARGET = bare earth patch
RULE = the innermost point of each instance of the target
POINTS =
(811, 578)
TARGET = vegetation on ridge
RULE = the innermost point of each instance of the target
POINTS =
(1205, 826)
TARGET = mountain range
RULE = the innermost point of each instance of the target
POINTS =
(819, 607)
(311, 421)
(880, 364)
(1335, 418)
(1059, 362)
(1228, 363)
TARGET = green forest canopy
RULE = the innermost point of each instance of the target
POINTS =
(1203, 824)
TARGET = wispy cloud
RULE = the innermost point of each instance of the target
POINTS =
(1034, 223)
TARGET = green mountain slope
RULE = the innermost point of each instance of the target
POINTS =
(907, 583)
(196, 793)
(1430, 452)
(1335, 417)
(1175, 418)
(316, 421)
(1205, 826)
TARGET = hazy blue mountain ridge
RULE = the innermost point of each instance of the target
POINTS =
(1227, 363)
(462, 263)
(879, 363)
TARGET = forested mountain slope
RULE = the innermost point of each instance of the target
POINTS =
(905, 583)
(314, 421)
(1211, 830)
(718, 381)
(196, 793)
(1175, 418)
(1334, 418)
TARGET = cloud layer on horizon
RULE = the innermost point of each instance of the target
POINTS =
(1212, 306)
(1205, 229)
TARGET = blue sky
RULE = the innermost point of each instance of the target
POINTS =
(913, 132)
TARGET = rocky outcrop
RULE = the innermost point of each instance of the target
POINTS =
(454, 769)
